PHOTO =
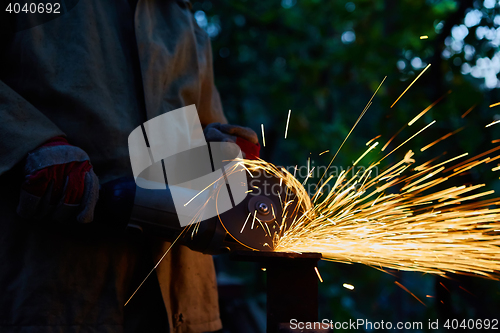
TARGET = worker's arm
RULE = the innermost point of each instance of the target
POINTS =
(22, 128)
(59, 180)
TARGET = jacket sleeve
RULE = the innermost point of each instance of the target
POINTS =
(22, 128)
(210, 106)
(210, 102)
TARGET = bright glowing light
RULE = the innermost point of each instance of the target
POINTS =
(493, 123)
(263, 136)
(419, 75)
(427, 109)
(319, 275)
(348, 286)
(287, 122)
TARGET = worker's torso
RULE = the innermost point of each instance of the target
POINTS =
(98, 72)
(101, 69)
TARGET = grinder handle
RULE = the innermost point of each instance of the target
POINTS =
(123, 206)
(115, 204)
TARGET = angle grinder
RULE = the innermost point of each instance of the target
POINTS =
(252, 224)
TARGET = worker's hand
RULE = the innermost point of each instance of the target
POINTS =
(59, 184)
(244, 137)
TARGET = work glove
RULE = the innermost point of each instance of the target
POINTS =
(59, 184)
(244, 137)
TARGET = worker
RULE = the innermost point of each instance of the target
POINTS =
(72, 88)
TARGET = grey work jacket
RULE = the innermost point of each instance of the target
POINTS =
(94, 74)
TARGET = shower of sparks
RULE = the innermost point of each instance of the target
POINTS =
(419, 75)
(348, 286)
(427, 109)
(406, 216)
(424, 37)
(326, 151)
(287, 122)
(263, 136)
(495, 104)
(401, 217)
(469, 110)
(319, 275)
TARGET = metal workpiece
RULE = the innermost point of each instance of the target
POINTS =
(292, 286)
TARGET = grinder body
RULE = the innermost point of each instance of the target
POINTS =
(126, 206)
(250, 225)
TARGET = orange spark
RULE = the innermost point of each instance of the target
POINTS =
(472, 159)
(317, 273)
(469, 110)
(428, 108)
(409, 292)
(375, 138)
(392, 138)
(466, 290)
(441, 139)
(414, 135)
(419, 75)
(441, 283)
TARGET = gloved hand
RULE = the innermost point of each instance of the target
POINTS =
(244, 137)
(59, 184)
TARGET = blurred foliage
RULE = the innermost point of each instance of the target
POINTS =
(324, 60)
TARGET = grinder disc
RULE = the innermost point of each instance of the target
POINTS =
(264, 214)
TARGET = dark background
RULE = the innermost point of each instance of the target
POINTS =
(323, 60)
